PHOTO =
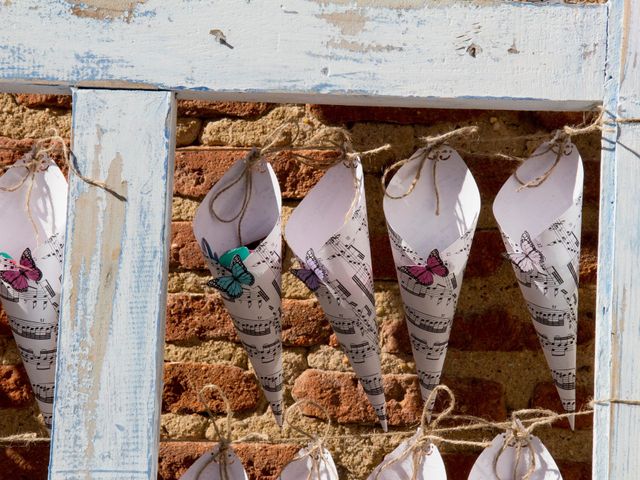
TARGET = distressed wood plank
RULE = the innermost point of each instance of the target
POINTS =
(617, 427)
(109, 376)
(471, 54)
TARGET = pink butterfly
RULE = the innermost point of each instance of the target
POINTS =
(529, 257)
(424, 274)
(20, 276)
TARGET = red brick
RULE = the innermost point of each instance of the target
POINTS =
(338, 114)
(15, 389)
(458, 465)
(574, 470)
(12, 150)
(261, 461)
(185, 252)
(383, 265)
(591, 193)
(346, 402)
(197, 317)
(490, 174)
(197, 170)
(555, 120)
(303, 323)
(485, 258)
(44, 101)
(28, 462)
(182, 381)
(545, 395)
(200, 108)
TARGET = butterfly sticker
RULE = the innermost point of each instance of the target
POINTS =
(529, 257)
(20, 276)
(231, 285)
(313, 274)
(424, 274)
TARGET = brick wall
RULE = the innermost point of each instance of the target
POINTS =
(490, 374)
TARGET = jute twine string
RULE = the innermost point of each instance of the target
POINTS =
(315, 448)
(37, 161)
(556, 141)
(422, 155)
(283, 139)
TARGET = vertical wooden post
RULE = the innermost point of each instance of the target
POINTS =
(617, 425)
(109, 375)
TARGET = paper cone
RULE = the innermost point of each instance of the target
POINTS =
(30, 284)
(430, 251)
(545, 466)
(253, 300)
(398, 465)
(302, 466)
(328, 232)
(208, 467)
(541, 231)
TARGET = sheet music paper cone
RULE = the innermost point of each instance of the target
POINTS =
(31, 280)
(431, 466)
(545, 466)
(250, 288)
(208, 467)
(541, 231)
(328, 232)
(431, 251)
(302, 466)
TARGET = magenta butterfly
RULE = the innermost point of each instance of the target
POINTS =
(529, 257)
(20, 276)
(313, 273)
(424, 274)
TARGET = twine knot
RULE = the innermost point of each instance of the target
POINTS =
(427, 152)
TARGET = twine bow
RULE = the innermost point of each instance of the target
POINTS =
(315, 449)
(428, 152)
(224, 439)
(282, 139)
(37, 160)
(421, 447)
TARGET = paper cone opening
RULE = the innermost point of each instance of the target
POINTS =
(414, 216)
(261, 215)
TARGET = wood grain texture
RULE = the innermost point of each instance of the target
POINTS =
(617, 427)
(109, 376)
(468, 54)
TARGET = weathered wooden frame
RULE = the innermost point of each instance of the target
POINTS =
(127, 61)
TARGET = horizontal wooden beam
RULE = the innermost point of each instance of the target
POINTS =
(414, 53)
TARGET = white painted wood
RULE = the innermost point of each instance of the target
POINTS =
(468, 54)
(109, 375)
(617, 426)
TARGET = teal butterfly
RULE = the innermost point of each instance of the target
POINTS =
(231, 285)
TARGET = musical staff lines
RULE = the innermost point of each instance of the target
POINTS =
(372, 384)
(564, 379)
(559, 345)
(433, 352)
(273, 383)
(360, 352)
(43, 392)
(548, 316)
(43, 360)
(33, 330)
(427, 322)
(266, 354)
(428, 380)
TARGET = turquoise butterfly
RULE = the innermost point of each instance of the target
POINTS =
(231, 285)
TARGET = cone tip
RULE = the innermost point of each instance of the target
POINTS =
(572, 422)
(383, 424)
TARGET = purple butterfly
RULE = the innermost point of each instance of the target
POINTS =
(313, 273)
(19, 277)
